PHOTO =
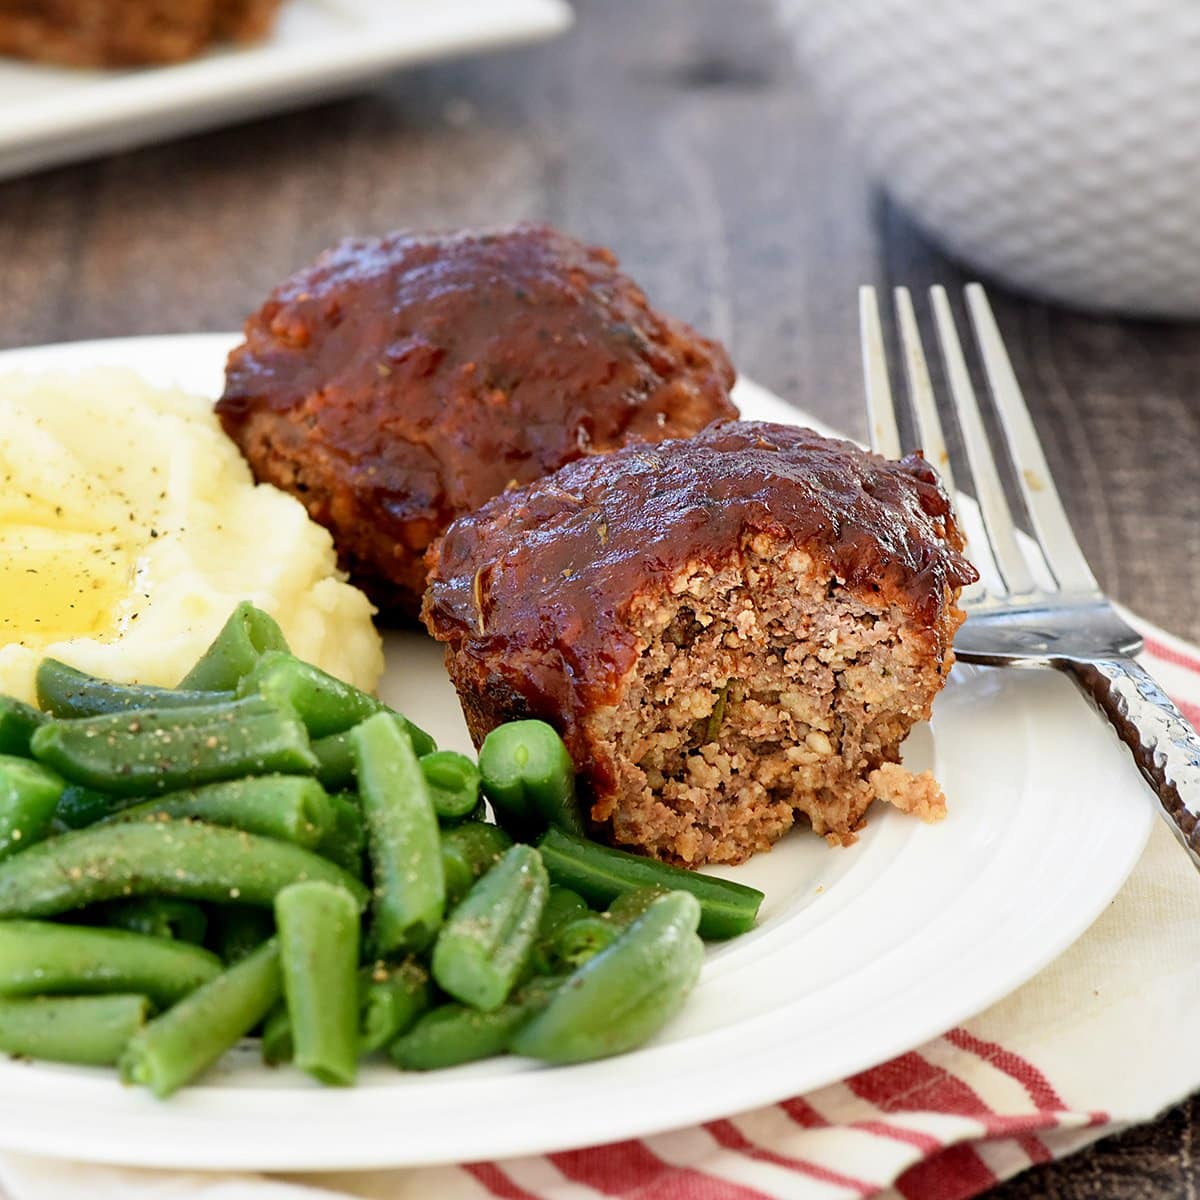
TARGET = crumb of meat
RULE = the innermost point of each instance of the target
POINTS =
(765, 693)
(916, 794)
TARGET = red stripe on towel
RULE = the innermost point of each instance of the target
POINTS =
(730, 1137)
(630, 1169)
(497, 1182)
(1040, 1089)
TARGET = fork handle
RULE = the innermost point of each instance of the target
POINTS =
(1165, 747)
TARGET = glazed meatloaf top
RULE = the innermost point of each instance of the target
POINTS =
(543, 578)
(418, 376)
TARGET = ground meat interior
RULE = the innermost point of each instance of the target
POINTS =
(765, 693)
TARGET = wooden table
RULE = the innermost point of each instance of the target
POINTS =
(683, 134)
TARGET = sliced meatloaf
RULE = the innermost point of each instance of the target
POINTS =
(731, 631)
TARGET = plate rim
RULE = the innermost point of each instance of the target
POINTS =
(739, 1091)
(255, 78)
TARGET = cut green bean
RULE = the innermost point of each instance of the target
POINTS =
(79, 806)
(453, 781)
(188, 1038)
(247, 634)
(485, 942)
(529, 778)
(318, 955)
(453, 1034)
(236, 930)
(142, 753)
(402, 838)
(628, 906)
(324, 703)
(17, 724)
(625, 994)
(600, 874)
(89, 1030)
(159, 916)
(468, 850)
(67, 692)
(581, 940)
(346, 841)
(390, 1000)
(335, 762)
(29, 795)
(562, 907)
(165, 858)
(291, 808)
(276, 1044)
(43, 957)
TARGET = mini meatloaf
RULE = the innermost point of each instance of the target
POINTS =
(730, 631)
(401, 382)
(103, 33)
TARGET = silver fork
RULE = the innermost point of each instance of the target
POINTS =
(1025, 614)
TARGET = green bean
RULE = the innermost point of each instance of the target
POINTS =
(29, 795)
(90, 1030)
(335, 755)
(600, 874)
(187, 1039)
(582, 939)
(390, 1000)
(277, 1045)
(452, 1034)
(486, 940)
(43, 957)
(80, 806)
(17, 723)
(529, 778)
(291, 808)
(164, 858)
(346, 841)
(402, 837)
(468, 850)
(67, 692)
(324, 703)
(562, 907)
(627, 993)
(318, 955)
(453, 781)
(158, 916)
(154, 750)
(236, 930)
(247, 634)
(335, 762)
(628, 906)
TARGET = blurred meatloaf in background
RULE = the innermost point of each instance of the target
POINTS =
(729, 631)
(100, 33)
(402, 381)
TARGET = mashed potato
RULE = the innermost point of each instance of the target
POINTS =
(130, 527)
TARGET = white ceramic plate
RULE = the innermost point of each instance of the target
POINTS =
(319, 48)
(861, 953)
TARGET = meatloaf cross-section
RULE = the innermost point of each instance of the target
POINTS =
(402, 381)
(729, 631)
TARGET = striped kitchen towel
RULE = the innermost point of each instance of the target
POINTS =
(1094, 1043)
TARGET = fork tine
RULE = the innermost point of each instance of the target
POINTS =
(920, 390)
(1055, 537)
(989, 492)
(881, 412)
